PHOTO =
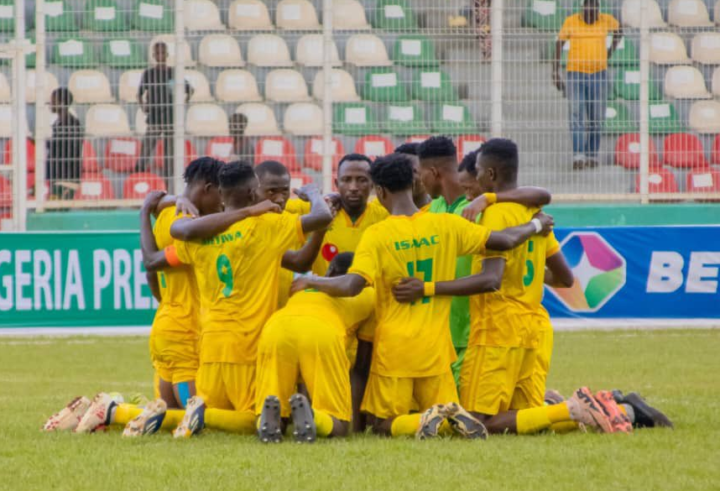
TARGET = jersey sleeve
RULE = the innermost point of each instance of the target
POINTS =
(493, 219)
(286, 231)
(362, 306)
(471, 238)
(612, 23)
(181, 252)
(297, 206)
(553, 246)
(566, 29)
(366, 260)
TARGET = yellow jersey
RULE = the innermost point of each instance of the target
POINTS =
(177, 315)
(513, 315)
(413, 340)
(588, 48)
(238, 273)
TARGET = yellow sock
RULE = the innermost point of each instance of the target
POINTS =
(532, 420)
(232, 421)
(622, 408)
(564, 427)
(445, 428)
(558, 412)
(124, 413)
(172, 419)
(405, 425)
(324, 423)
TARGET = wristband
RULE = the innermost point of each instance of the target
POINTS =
(536, 223)
(429, 289)
(491, 198)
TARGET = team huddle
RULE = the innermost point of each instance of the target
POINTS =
(422, 314)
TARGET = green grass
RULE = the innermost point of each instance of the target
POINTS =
(676, 370)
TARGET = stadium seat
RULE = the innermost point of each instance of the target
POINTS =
(154, 16)
(705, 117)
(349, 15)
(129, 84)
(632, 13)
(106, 120)
(94, 187)
(7, 121)
(299, 15)
(90, 87)
(103, 16)
(715, 154)
(276, 148)
(249, 15)
(140, 122)
(73, 52)
(169, 40)
(202, 15)
(309, 51)
(417, 138)
(122, 154)
(159, 159)
(51, 83)
(433, 85)
(625, 53)
(7, 16)
(383, 85)
(667, 48)
(138, 185)
(206, 120)
(688, 13)
(627, 151)
(703, 181)
(268, 50)
(468, 143)
(6, 193)
(59, 16)
(122, 53)
(29, 153)
(627, 85)
(546, 15)
(5, 93)
(90, 161)
(683, 150)
(414, 50)
(618, 119)
(237, 86)
(200, 85)
(343, 86)
(303, 119)
(374, 146)
(394, 15)
(716, 82)
(261, 119)
(220, 50)
(705, 48)
(716, 14)
(404, 119)
(663, 119)
(366, 50)
(354, 119)
(313, 158)
(220, 148)
(659, 181)
(685, 82)
(453, 119)
(299, 179)
(285, 85)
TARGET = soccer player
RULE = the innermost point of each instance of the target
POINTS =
(467, 176)
(307, 340)
(421, 198)
(413, 348)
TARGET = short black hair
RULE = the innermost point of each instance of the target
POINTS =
(342, 262)
(504, 155)
(408, 148)
(393, 172)
(437, 147)
(203, 169)
(63, 96)
(271, 167)
(235, 174)
(469, 163)
(351, 157)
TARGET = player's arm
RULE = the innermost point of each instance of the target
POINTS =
(529, 196)
(302, 260)
(142, 89)
(512, 237)
(154, 285)
(184, 205)
(349, 285)
(320, 215)
(153, 259)
(557, 272)
(188, 229)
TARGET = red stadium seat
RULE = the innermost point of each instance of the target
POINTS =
(29, 149)
(417, 138)
(190, 153)
(298, 179)
(220, 147)
(5, 215)
(660, 181)
(683, 150)
(276, 148)
(703, 181)
(468, 143)
(313, 153)
(5, 193)
(715, 158)
(374, 146)
(90, 163)
(138, 185)
(94, 187)
(122, 154)
(627, 151)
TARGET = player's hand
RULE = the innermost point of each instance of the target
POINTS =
(152, 199)
(409, 290)
(333, 201)
(263, 207)
(183, 206)
(299, 284)
(546, 221)
(306, 191)
(475, 207)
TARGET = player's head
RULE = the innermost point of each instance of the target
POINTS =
(238, 123)
(238, 184)
(411, 150)
(160, 52)
(591, 9)
(340, 264)
(353, 182)
(438, 158)
(203, 186)
(497, 165)
(60, 99)
(273, 182)
(392, 175)
(467, 172)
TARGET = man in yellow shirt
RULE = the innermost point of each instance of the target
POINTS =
(587, 84)
(413, 348)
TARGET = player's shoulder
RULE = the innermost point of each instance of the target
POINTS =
(376, 211)
(607, 19)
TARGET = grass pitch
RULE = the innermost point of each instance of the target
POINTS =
(676, 370)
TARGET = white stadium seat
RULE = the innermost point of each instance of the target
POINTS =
(249, 15)
(202, 15)
(51, 83)
(296, 15)
(5, 95)
(349, 15)
(705, 48)
(106, 120)
(667, 48)
(309, 51)
(285, 85)
(632, 13)
(206, 120)
(685, 82)
(90, 87)
(129, 84)
(688, 13)
(343, 86)
(237, 86)
(201, 88)
(303, 119)
(220, 50)
(268, 50)
(261, 119)
(705, 117)
(366, 50)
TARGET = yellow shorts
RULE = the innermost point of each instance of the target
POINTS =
(387, 397)
(175, 359)
(495, 379)
(227, 386)
(295, 347)
(542, 361)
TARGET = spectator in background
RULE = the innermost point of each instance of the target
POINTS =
(241, 144)
(64, 149)
(587, 84)
(155, 96)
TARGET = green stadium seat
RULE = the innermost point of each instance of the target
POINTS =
(73, 52)
(618, 119)
(604, 7)
(394, 15)
(414, 51)
(546, 15)
(103, 16)
(625, 54)
(123, 53)
(433, 86)
(59, 16)
(404, 119)
(383, 85)
(153, 16)
(7, 16)
(354, 118)
(453, 119)
(627, 85)
(663, 119)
